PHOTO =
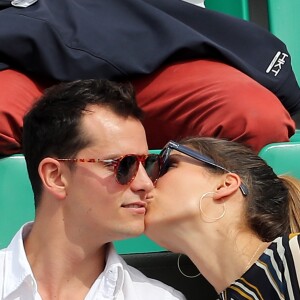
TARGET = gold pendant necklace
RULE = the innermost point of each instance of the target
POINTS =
(254, 254)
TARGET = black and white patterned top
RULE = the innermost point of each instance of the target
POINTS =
(274, 276)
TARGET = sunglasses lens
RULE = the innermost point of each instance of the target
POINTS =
(127, 169)
(164, 158)
(152, 166)
(129, 165)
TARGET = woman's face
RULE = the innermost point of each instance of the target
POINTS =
(174, 203)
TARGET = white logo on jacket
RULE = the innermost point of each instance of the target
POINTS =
(277, 62)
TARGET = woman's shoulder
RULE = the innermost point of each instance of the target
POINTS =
(286, 245)
(274, 275)
(285, 253)
(288, 240)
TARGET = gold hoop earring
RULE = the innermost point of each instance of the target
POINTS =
(210, 219)
(179, 268)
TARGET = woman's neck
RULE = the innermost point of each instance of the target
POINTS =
(222, 258)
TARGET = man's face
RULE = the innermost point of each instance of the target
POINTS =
(96, 203)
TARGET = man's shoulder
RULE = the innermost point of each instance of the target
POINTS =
(2, 255)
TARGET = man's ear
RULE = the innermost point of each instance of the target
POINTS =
(50, 171)
(229, 184)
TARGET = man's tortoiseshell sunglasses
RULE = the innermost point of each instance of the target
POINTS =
(126, 166)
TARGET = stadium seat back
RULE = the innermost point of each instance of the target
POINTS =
(236, 8)
(284, 23)
(284, 158)
(16, 197)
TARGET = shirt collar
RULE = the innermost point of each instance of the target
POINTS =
(18, 271)
(17, 268)
(111, 281)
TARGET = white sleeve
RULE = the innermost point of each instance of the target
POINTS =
(2, 258)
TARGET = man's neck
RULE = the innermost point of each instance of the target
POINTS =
(62, 270)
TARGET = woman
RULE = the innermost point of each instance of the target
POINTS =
(222, 205)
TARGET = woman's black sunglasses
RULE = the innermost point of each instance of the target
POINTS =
(164, 157)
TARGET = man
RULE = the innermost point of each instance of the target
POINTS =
(86, 154)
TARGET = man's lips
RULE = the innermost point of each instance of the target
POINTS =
(137, 207)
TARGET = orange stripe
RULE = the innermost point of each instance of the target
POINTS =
(241, 292)
(253, 287)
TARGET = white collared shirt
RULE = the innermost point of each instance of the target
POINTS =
(118, 281)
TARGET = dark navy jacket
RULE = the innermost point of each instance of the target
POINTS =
(118, 39)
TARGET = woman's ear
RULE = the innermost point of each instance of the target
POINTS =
(229, 184)
(50, 171)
